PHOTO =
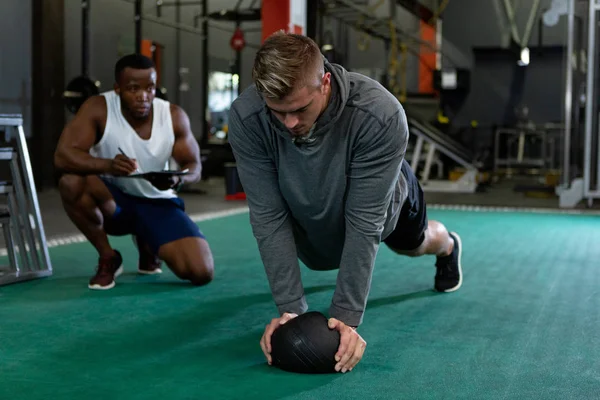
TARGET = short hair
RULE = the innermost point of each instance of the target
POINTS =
(286, 62)
(135, 61)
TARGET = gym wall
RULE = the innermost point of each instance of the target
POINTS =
(15, 59)
(493, 74)
(112, 33)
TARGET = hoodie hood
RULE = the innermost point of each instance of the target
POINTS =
(340, 89)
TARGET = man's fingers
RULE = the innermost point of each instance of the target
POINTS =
(348, 353)
(343, 348)
(265, 341)
(359, 350)
(268, 332)
(125, 166)
(264, 347)
(286, 317)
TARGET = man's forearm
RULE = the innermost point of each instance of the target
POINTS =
(79, 162)
(194, 175)
(354, 277)
(280, 259)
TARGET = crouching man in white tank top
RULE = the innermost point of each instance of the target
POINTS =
(113, 135)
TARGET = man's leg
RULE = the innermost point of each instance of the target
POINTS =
(90, 205)
(415, 235)
(175, 239)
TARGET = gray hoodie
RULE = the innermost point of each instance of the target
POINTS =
(328, 201)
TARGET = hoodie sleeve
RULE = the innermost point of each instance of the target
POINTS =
(372, 177)
(269, 215)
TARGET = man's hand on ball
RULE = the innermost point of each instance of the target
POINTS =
(265, 341)
(352, 346)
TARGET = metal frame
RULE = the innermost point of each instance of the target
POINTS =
(590, 113)
(23, 225)
(580, 188)
(520, 160)
(467, 182)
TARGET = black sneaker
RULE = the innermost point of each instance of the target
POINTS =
(448, 277)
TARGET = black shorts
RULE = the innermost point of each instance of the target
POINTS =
(412, 222)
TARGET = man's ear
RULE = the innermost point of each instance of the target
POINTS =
(325, 82)
(117, 88)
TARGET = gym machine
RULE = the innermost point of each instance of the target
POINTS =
(21, 219)
(585, 185)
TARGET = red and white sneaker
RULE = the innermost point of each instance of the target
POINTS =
(149, 263)
(107, 271)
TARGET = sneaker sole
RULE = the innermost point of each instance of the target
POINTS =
(153, 272)
(460, 274)
(109, 286)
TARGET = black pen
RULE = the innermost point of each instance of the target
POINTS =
(122, 152)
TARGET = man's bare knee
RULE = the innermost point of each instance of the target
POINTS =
(189, 259)
(201, 275)
(71, 187)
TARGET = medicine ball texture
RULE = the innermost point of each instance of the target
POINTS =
(306, 345)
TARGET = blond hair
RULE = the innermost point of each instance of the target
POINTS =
(287, 62)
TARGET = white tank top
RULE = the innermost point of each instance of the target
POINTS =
(151, 155)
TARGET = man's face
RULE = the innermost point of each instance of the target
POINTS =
(136, 88)
(299, 111)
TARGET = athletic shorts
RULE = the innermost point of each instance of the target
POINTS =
(153, 221)
(412, 222)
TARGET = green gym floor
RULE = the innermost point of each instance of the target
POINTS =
(524, 325)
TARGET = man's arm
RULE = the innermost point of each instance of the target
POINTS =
(269, 216)
(72, 151)
(374, 170)
(186, 150)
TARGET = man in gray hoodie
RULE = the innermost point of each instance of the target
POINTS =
(320, 154)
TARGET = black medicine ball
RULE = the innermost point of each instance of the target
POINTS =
(305, 344)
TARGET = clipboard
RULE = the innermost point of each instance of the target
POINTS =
(154, 174)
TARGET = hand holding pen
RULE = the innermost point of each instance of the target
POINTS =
(122, 165)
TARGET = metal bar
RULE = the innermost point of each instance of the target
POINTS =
(30, 184)
(442, 149)
(598, 155)
(22, 277)
(378, 27)
(138, 26)
(568, 100)
(428, 161)
(174, 3)
(417, 9)
(439, 39)
(85, 13)
(183, 27)
(589, 106)
(24, 226)
(16, 231)
(10, 245)
(204, 99)
(510, 13)
(414, 164)
(178, 52)
(501, 21)
(11, 120)
(529, 27)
